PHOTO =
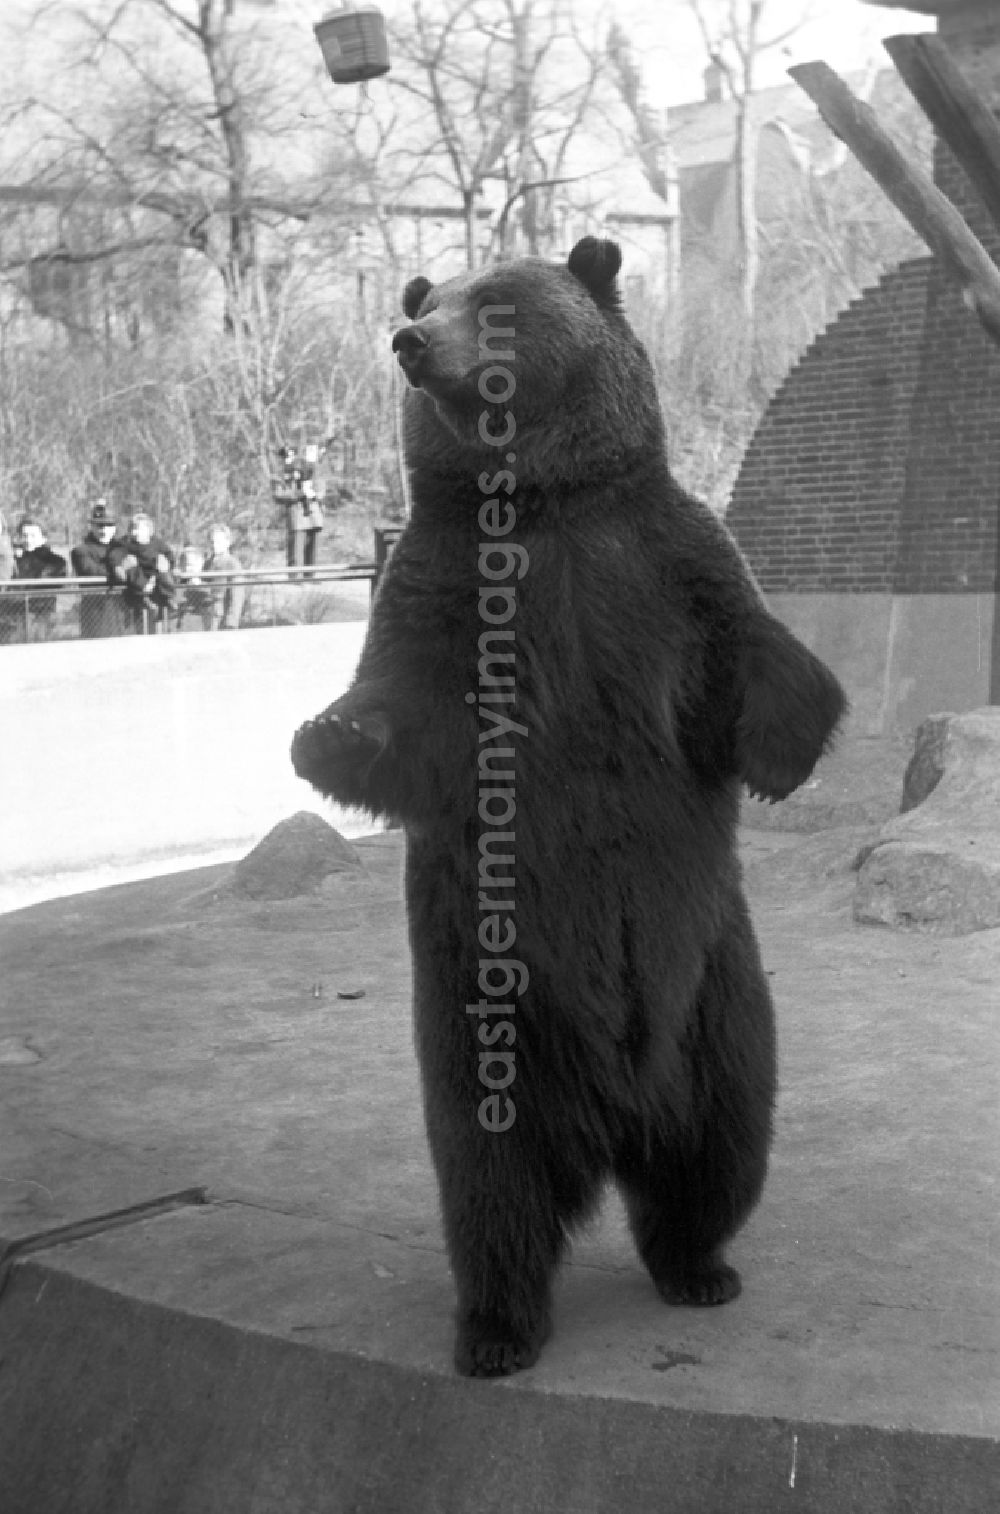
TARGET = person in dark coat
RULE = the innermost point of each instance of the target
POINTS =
(11, 609)
(34, 558)
(143, 563)
(7, 565)
(303, 511)
(100, 613)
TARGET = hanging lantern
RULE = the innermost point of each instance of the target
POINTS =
(354, 44)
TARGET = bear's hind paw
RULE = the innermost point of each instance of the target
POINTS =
(701, 1286)
(496, 1351)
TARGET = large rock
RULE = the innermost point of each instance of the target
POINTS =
(936, 867)
(299, 856)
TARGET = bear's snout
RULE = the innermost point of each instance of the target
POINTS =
(410, 344)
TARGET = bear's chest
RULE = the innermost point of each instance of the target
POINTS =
(574, 619)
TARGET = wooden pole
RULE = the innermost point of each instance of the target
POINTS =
(967, 125)
(959, 115)
(994, 695)
(911, 190)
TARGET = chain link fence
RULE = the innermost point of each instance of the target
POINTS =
(71, 609)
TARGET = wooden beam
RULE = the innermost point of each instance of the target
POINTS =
(959, 115)
(911, 190)
(994, 695)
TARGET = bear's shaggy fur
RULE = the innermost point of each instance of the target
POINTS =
(595, 1007)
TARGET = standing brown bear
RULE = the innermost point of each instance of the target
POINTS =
(568, 673)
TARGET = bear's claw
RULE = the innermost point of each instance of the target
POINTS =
(320, 743)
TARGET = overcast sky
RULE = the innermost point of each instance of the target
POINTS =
(845, 33)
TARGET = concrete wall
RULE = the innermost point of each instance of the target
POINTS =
(900, 657)
(116, 751)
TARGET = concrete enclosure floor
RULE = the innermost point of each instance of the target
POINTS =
(280, 1340)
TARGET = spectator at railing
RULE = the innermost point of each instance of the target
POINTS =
(100, 613)
(192, 597)
(143, 563)
(312, 508)
(7, 568)
(219, 604)
(11, 611)
(34, 558)
(227, 598)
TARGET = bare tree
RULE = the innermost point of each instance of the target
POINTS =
(163, 141)
(174, 138)
(508, 85)
(733, 35)
(650, 140)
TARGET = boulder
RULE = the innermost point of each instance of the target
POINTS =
(299, 856)
(936, 865)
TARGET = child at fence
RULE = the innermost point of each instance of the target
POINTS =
(7, 568)
(218, 603)
(10, 610)
(143, 564)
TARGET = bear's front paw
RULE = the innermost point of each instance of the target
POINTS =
(493, 1349)
(791, 707)
(767, 777)
(322, 746)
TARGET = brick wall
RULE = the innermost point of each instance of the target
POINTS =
(876, 467)
(817, 503)
(947, 541)
(948, 530)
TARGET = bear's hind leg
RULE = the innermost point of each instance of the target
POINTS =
(506, 1222)
(690, 1184)
(504, 1312)
(679, 1237)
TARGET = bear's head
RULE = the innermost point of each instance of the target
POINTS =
(531, 356)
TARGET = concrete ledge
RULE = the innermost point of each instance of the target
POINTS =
(286, 1346)
(109, 1405)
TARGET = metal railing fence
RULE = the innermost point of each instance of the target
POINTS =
(64, 609)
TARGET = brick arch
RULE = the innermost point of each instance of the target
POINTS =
(817, 502)
(876, 467)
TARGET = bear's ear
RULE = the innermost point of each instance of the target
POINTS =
(414, 295)
(595, 263)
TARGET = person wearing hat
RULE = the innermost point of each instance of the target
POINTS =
(100, 612)
(143, 564)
